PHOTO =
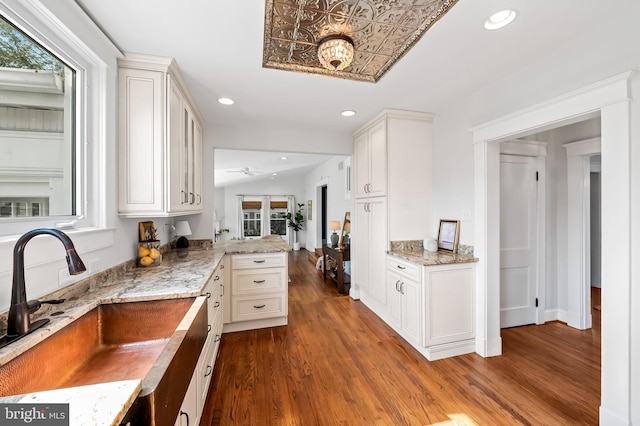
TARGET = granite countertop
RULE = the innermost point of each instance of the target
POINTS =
(265, 245)
(182, 273)
(428, 258)
(98, 405)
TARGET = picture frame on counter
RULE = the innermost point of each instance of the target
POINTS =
(448, 234)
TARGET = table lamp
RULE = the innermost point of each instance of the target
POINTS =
(182, 230)
(334, 225)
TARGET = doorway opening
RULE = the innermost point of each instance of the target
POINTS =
(610, 99)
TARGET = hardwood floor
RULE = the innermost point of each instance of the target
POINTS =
(338, 363)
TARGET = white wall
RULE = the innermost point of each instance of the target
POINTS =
(338, 203)
(607, 49)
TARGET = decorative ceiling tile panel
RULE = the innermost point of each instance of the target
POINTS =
(382, 32)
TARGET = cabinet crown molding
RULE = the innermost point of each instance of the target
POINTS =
(161, 64)
(395, 113)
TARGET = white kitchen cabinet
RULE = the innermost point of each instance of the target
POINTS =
(449, 304)
(432, 307)
(392, 157)
(369, 246)
(392, 163)
(191, 410)
(258, 292)
(371, 161)
(188, 414)
(405, 310)
(160, 140)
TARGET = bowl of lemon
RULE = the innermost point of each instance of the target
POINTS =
(149, 253)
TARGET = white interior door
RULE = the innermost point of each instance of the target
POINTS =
(518, 241)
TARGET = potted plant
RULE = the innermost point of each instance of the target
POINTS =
(295, 221)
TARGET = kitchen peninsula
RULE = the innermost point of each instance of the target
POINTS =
(255, 284)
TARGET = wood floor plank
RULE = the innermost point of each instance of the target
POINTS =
(337, 363)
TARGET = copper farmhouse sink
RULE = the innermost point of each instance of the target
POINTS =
(156, 341)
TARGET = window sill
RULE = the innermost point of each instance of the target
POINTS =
(43, 250)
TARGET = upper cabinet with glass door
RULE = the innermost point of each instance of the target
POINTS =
(38, 170)
(160, 140)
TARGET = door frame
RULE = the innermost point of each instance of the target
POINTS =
(609, 99)
(579, 231)
(317, 212)
(539, 151)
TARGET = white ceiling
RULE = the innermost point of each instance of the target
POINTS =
(263, 165)
(218, 46)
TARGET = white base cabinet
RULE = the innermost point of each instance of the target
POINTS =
(195, 398)
(432, 307)
(257, 296)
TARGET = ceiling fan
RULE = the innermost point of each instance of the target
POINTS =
(246, 171)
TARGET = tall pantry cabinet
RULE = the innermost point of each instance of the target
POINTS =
(160, 140)
(392, 161)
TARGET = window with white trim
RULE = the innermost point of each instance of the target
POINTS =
(44, 126)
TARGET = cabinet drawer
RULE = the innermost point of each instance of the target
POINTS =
(252, 308)
(408, 269)
(258, 281)
(254, 261)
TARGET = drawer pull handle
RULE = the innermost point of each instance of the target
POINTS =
(216, 278)
(216, 304)
(217, 338)
(209, 328)
(209, 371)
(182, 413)
(402, 267)
(259, 261)
(259, 306)
(258, 281)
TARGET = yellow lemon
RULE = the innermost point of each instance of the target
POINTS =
(146, 261)
(154, 253)
(143, 251)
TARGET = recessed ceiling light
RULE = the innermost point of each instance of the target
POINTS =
(500, 19)
(283, 158)
(348, 113)
(274, 174)
(226, 101)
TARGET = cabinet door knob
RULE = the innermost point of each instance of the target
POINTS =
(209, 371)
(217, 338)
(209, 328)
(216, 278)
